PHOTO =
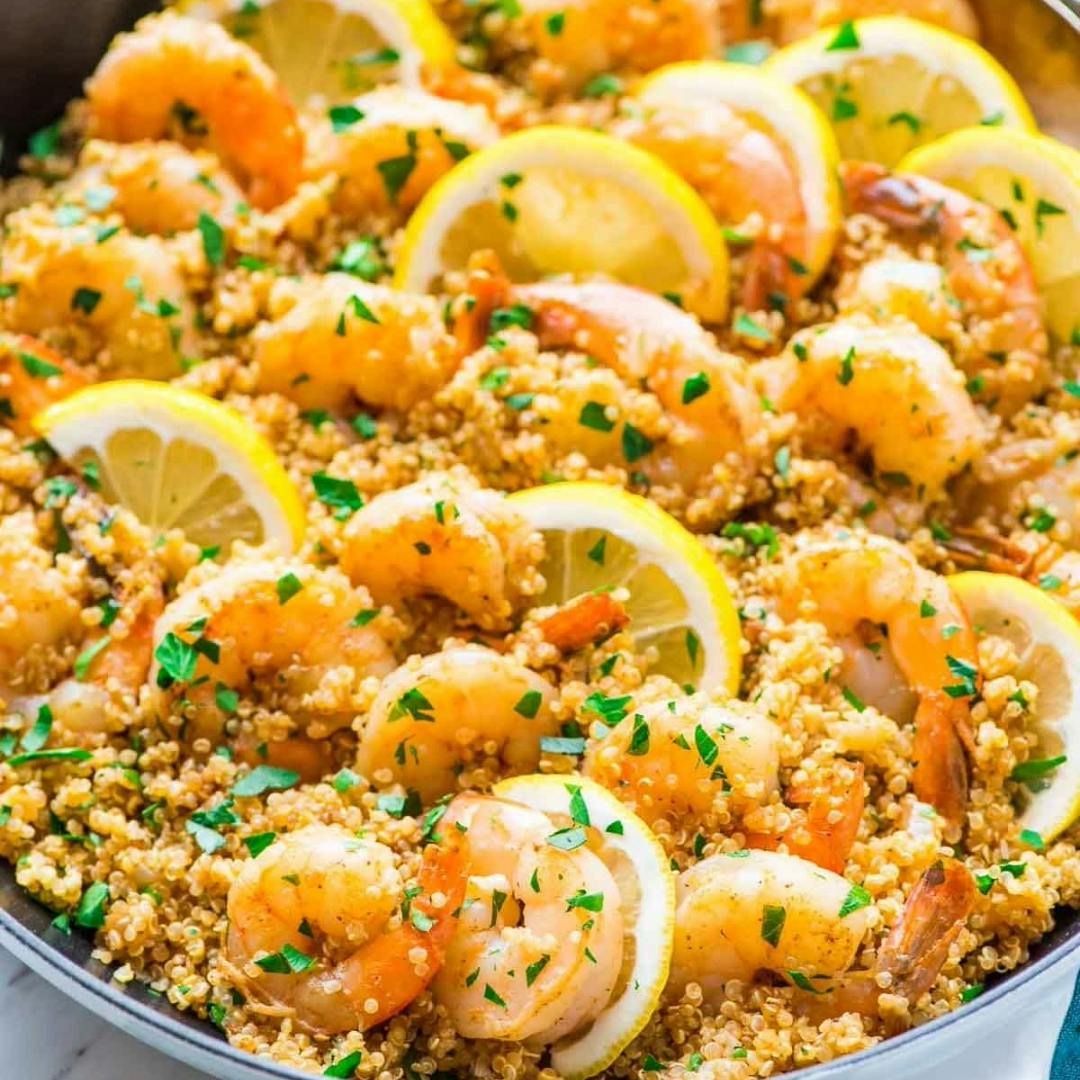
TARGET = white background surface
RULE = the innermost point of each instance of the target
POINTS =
(46, 1036)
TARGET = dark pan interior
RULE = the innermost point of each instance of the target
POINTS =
(47, 47)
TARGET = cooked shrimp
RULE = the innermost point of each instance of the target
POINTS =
(437, 715)
(342, 900)
(680, 757)
(744, 175)
(986, 268)
(445, 536)
(423, 134)
(274, 626)
(332, 336)
(551, 961)
(600, 36)
(33, 376)
(584, 620)
(895, 388)
(892, 287)
(43, 635)
(190, 80)
(797, 18)
(828, 827)
(914, 950)
(119, 294)
(740, 912)
(716, 420)
(156, 187)
(848, 581)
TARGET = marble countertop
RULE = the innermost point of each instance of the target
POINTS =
(46, 1036)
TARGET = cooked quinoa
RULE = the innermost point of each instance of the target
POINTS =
(131, 826)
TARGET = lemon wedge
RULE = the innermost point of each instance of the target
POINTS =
(1034, 182)
(601, 537)
(778, 110)
(647, 891)
(564, 200)
(336, 49)
(1047, 640)
(889, 84)
(177, 459)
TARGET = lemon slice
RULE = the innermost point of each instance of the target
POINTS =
(890, 84)
(1047, 640)
(336, 49)
(563, 200)
(600, 537)
(647, 890)
(177, 459)
(781, 112)
(1034, 181)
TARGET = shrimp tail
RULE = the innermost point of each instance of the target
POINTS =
(767, 276)
(933, 916)
(486, 288)
(941, 770)
(584, 620)
(870, 188)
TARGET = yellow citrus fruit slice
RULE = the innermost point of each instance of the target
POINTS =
(565, 200)
(601, 537)
(775, 109)
(647, 892)
(1034, 182)
(1047, 641)
(336, 49)
(177, 459)
(889, 84)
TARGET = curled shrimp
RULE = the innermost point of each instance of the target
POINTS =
(572, 952)
(675, 758)
(342, 900)
(438, 714)
(895, 388)
(739, 912)
(909, 959)
(156, 187)
(429, 134)
(33, 376)
(186, 79)
(332, 336)
(794, 19)
(277, 627)
(862, 587)
(87, 671)
(445, 536)
(716, 421)
(118, 298)
(985, 266)
(827, 828)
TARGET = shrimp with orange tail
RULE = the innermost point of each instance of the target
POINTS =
(909, 960)
(983, 264)
(33, 376)
(826, 830)
(583, 620)
(183, 79)
(900, 626)
(325, 923)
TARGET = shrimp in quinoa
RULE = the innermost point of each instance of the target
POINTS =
(335, 898)
(180, 78)
(852, 375)
(679, 757)
(898, 624)
(438, 714)
(333, 336)
(444, 536)
(115, 298)
(573, 951)
(156, 187)
(298, 637)
(32, 377)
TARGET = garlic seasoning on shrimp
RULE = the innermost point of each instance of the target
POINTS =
(324, 923)
(539, 947)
